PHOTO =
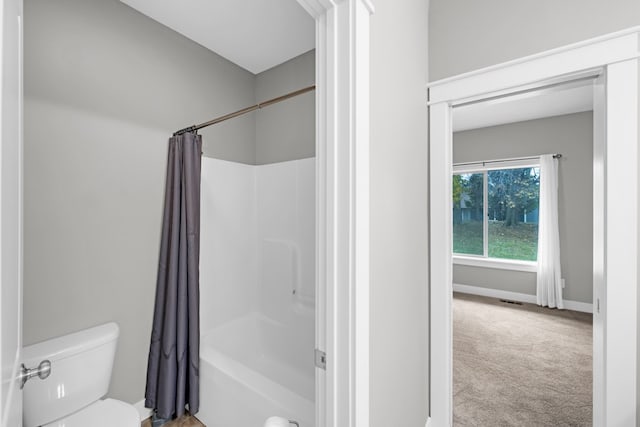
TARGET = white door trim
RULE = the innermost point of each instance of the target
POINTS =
(342, 209)
(615, 57)
(11, 150)
(599, 148)
(619, 290)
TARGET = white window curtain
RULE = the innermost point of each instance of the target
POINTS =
(549, 280)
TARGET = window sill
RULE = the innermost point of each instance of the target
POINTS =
(502, 264)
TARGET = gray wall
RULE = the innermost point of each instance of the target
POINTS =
(399, 216)
(104, 88)
(571, 135)
(286, 131)
(467, 35)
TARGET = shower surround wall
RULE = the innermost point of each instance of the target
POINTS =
(257, 292)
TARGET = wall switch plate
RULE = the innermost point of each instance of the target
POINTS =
(562, 281)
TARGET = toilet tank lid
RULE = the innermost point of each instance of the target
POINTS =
(68, 345)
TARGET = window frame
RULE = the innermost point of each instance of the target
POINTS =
(485, 261)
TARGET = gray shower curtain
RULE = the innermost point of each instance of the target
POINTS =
(173, 367)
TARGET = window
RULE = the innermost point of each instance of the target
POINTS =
(468, 213)
(495, 211)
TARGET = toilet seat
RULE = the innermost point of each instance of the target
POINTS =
(103, 413)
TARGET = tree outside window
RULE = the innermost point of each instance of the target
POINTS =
(510, 225)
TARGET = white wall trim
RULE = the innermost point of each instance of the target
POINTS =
(144, 412)
(537, 70)
(317, 8)
(614, 59)
(559, 50)
(342, 209)
(517, 296)
(440, 280)
(619, 305)
(494, 293)
(599, 239)
(11, 209)
(584, 307)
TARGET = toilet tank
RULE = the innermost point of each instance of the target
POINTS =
(81, 365)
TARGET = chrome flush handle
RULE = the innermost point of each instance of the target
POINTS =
(43, 371)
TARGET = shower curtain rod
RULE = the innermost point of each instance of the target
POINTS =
(555, 156)
(245, 110)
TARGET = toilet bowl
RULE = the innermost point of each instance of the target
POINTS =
(71, 396)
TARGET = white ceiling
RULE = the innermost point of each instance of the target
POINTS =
(528, 106)
(254, 34)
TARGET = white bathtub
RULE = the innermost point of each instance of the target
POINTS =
(252, 368)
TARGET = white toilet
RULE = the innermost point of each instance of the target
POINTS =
(81, 365)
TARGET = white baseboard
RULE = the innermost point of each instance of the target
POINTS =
(144, 412)
(585, 307)
(516, 296)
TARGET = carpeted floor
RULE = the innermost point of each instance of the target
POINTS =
(520, 365)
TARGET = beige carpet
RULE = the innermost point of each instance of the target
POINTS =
(520, 365)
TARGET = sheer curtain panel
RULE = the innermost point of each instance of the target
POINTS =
(549, 277)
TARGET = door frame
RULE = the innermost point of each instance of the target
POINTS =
(342, 209)
(613, 59)
(11, 211)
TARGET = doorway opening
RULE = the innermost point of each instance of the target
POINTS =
(610, 62)
(515, 362)
(341, 390)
